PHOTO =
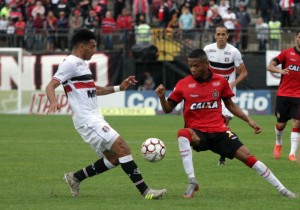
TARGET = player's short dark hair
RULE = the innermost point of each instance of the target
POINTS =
(82, 36)
(222, 26)
(198, 53)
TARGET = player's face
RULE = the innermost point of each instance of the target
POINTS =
(198, 67)
(89, 49)
(221, 36)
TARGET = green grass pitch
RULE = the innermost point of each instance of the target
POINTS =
(35, 152)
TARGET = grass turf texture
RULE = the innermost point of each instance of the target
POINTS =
(36, 151)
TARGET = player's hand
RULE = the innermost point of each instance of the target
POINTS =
(285, 71)
(257, 128)
(54, 107)
(160, 91)
(127, 82)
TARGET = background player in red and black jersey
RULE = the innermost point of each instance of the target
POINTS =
(205, 129)
(288, 97)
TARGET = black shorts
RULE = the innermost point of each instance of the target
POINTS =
(287, 108)
(223, 143)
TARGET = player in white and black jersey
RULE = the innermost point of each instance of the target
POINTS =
(77, 80)
(226, 60)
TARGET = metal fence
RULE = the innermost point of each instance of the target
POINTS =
(170, 43)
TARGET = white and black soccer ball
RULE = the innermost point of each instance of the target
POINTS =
(153, 149)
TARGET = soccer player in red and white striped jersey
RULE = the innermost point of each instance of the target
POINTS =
(77, 80)
(204, 128)
(288, 97)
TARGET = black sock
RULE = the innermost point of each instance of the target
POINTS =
(135, 175)
(91, 170)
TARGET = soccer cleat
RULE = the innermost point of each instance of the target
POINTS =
(73, 183)
(285, 192)
(221, 161)
(150, 194)
(276, 152)
(292, 157)
(192, 187)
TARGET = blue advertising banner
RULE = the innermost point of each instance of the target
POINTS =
(255, 102)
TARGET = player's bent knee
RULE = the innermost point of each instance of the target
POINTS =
(185, 133)
(120, 147)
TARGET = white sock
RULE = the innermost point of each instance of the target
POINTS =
(278, 136)
(186, 156)
(262, 170)
(294, 142)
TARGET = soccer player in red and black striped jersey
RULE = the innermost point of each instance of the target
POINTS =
(75, 76)
(288, 96)
(205, 129)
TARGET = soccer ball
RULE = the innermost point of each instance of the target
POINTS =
(153, 149)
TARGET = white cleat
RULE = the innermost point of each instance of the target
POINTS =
(73, 183)
(285, 192)
(154, 194)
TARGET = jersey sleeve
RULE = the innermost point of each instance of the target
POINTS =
(281, 57)
(227, 92)
(65, 71)
(176, 95)
(237, 58)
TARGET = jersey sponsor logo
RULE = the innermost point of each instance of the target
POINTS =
(91, 93)
(193, 85)
(227, 53)
(215, 94)
(212, 50)
(216, 84)
(194, 95)
(205, 105)
(294, 68)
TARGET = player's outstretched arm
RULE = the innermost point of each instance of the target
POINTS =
(242, 74)
(50, 92)
(272, 68)
(235, 109)
(112, 89)
(167, 106)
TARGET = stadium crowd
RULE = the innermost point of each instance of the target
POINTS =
(46, 25)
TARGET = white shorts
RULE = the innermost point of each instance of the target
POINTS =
(225, 111)
(99, 135)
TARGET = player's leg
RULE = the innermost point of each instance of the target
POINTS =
(128, 165)
(295, 138)
(279, 130)
(186, 138)
(262, 170)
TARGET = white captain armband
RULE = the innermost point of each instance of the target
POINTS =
(117, 88)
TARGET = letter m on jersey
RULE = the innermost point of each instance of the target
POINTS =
(91, 93)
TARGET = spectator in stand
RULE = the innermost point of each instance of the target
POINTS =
(199, 12)
(275, 33)
(143, 32)
(38, 8)
(119, 5)
(124, 25)
(98, 9)
(103, 5)
(241, 2)
(62, 29)
(141, 7)
(173, 26)
(187, 25)
(296, 12)
(262, 30)
(264, 9)
(223, 7)
(3, 27)
(244, 19)
(163, 14)
(84, 6)
(29, 34)
(10, 31)
(38, 25)
(51, 21)
(213, 19)
(29, 5)
(76, 21)
(286, 12)
(229, 17)
(20, 32)
(91, 22)
(146, 82)
(15, 13)
(62, 6)
(5, 11)
(108, 27)
(237, 34)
